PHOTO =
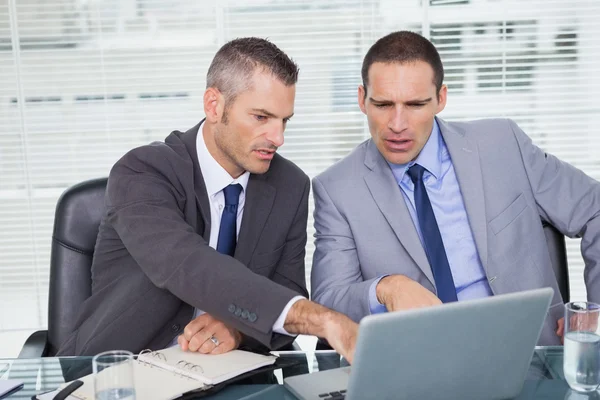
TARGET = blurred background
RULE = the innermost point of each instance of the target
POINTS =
(84, 81)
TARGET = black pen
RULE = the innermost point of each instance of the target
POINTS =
(67, 390)
(12, 391)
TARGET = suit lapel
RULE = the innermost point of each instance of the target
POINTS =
(465, 159)
(189, 139)
(260, 196)
(389, 199)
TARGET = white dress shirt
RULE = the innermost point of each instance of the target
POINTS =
(215, 180)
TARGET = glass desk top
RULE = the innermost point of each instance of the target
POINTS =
(545, 379)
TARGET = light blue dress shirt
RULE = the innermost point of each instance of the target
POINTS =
(449, 209)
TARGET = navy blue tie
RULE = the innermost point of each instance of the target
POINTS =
(228, 228)
(434, 247)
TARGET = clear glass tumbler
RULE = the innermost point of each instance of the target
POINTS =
(582, 346)
(113, 375)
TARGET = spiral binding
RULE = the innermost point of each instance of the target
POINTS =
(150, 353)
(183, 365)
(189, 366)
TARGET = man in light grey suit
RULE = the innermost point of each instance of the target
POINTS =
(428, 211)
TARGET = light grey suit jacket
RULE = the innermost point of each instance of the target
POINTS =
(509, 187)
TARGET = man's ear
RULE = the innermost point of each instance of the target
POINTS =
(442, 98)
(362, 95)
(214, 104)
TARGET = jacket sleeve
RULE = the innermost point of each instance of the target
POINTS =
(569, 200)
(336, 277)
(290, 270)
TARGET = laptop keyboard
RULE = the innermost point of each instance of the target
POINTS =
(341, 395)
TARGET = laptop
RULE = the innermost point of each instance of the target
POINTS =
(477, 349)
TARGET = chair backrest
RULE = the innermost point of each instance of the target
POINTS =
(558, 256)
(76, 222)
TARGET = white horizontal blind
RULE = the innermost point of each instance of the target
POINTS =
(534, 61)
(91, 79)
(21, 293)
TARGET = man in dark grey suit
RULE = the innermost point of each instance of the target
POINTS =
(207, 230)
(429, 211)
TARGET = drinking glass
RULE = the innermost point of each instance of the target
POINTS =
(582, 346)
(113, 375)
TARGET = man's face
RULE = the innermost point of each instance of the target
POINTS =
(254, 125)
(400, 106)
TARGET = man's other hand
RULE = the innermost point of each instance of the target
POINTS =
(398, 292)
(309, 318)
(198, 333)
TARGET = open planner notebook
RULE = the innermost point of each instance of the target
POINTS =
(169, 373)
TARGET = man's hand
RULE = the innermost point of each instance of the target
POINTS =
(309, 318)
(577, 322)
(341, 334)
(560, 330)
(397, 292)
(196, 336)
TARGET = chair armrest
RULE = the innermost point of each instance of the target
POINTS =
(291, 347)
(35, 346)
(322, 344)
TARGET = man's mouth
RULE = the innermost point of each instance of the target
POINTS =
(398, 144)
(265, 154)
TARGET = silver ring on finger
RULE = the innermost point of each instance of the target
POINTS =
(215, 341)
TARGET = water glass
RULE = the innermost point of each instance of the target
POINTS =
(573, 395)
(582, 346)
(113, 375)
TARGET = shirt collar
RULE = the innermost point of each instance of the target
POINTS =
(429, 158)
(215, 176)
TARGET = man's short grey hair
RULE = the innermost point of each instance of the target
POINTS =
(234, 64)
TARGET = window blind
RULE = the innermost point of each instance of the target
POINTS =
(535, 62)
(83, 81)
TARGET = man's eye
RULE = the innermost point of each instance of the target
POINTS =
(260, 117)
(382, 105)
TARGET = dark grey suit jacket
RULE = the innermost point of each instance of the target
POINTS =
(152, 263)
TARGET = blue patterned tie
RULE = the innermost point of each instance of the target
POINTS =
(434, 247)
(228, 228)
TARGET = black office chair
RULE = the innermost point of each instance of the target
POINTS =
(76, 221)
(558, 257)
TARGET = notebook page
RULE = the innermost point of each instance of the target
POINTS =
(151, 383)
(208, 368)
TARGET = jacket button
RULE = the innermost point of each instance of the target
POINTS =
(238, 312)
(252, 317)
(245, 314)
(231, 308)
(175, 327)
